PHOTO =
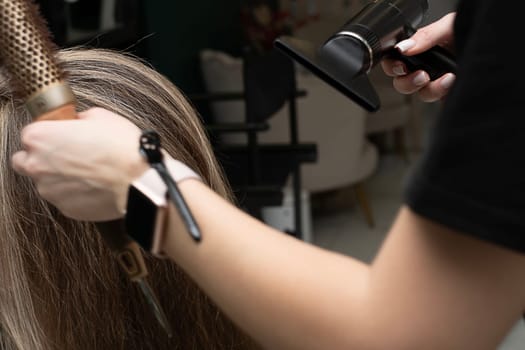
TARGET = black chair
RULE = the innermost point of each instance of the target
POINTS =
(258, 172)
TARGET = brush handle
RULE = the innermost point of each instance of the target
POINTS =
(62, 113)
(127, 251)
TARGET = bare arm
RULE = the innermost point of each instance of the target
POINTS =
(429, 287)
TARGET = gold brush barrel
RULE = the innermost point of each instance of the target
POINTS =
(28, 55)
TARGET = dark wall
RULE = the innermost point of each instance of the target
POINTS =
(180, 29)
(169, 34)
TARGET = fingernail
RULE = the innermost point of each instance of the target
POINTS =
(399, 70)
(420, 79)
(448, 80)
(405, 45)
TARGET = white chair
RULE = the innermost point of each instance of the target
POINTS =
(325, 117)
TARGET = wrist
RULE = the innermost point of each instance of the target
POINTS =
(147, 202)
(133, 167)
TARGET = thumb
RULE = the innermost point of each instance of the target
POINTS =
(439, 32)
(98, 116)
(87, 114)
(92, 113)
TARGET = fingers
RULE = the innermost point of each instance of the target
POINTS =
(30, 160)
(412, 82)
(28, 164)
(393, 68)
(91, 113)
(419, 82)
(439, 32)
(437, 89)
(38, 133)
(18, 162)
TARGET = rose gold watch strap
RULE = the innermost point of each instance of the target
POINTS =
(151, 185)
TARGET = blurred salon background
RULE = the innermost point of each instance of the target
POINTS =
(299, 155)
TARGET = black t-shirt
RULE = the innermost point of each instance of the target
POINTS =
(472, 174)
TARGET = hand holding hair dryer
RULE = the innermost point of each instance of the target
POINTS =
(345, 58)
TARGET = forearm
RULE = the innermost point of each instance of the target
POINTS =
(291, 295)
(287, 294)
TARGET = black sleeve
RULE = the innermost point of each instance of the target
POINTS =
(472, 174)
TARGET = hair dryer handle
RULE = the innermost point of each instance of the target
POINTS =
(436, 61)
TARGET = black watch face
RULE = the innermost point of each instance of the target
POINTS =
(140, 218)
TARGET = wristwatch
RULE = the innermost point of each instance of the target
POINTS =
(146, 208)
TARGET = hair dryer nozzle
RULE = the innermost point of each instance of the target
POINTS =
(346, 78)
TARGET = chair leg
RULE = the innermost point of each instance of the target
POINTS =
(400, 144)
(362, 199)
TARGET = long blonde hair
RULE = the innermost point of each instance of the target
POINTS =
(60, 288)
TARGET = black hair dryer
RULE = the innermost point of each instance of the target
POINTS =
(345, 59)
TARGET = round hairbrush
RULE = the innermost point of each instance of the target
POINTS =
(28, 55)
